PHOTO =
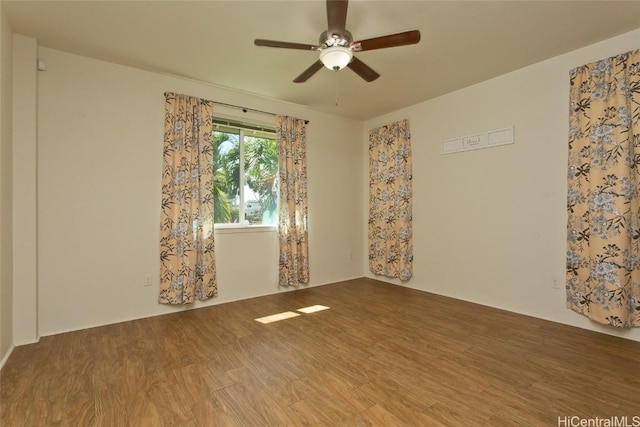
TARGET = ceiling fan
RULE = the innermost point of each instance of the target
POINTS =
(337, 46)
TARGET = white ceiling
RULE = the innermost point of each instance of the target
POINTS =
(463, 42)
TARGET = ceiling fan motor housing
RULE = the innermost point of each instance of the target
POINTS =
(327, 40)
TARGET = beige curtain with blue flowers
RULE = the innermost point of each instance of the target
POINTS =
(187, 256)
(603, 199)
(292, 204)
(390, 201)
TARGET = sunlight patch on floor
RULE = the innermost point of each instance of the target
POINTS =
(313, 309)
(290, 314)
(276, 317)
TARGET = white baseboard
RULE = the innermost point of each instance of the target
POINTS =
(6, 357)
(26, 342)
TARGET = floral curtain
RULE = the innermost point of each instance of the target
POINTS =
(187, 256)
(390, 201)
(603, 199)
(292, 214)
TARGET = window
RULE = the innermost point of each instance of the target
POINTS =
(246, 174)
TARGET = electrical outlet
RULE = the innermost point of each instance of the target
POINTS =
(555, 283)
(147, 280)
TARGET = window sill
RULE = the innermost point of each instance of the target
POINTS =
(234, 229)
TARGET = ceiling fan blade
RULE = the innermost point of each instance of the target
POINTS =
(393, 40)
(363, 70)
(314, 68)
(336, 17)
(285, 45)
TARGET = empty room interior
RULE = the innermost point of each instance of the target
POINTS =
(257, 213)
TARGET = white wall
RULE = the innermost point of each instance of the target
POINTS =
(25, 256)
(6, 239)
(100, 132)
(489, 225)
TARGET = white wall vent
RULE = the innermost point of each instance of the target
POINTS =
(492, 138)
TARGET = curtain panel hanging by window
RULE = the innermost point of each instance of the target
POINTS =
(292, 205)
(187, 255)
(603, 198)
(390, 201)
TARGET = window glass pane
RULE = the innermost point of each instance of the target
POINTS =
(226, 165)
(261, 180)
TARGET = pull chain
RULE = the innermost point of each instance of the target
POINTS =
(337, 88)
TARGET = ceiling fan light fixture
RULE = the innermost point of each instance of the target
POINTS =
(336, 57)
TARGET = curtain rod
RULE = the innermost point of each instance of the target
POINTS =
(245, 109)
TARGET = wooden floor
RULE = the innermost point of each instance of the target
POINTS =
(382, 355)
